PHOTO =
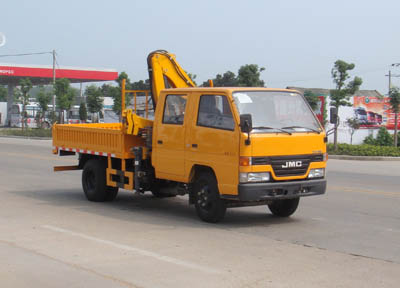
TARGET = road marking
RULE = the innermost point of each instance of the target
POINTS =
(318, 219)
(366, 191)
(134, 249)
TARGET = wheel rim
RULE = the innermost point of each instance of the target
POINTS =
(204, 200)
(90, 180)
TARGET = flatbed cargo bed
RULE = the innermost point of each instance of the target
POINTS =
(104, 139)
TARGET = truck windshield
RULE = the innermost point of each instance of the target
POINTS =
(274, 111)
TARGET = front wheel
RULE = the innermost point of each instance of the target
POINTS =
(284, 207)
(209, 206)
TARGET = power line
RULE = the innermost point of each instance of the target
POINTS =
(25, 54)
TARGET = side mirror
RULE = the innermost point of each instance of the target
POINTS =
(333, 115)
(246, 123)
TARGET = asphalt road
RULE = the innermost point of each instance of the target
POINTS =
(50, 236)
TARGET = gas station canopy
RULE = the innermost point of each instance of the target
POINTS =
(10, 74)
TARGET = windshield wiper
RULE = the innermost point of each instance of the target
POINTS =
(308, 128)
(267, 127)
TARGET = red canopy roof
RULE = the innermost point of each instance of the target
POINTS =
(12, 73)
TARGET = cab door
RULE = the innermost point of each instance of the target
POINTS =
(213, 140)
(169, 140)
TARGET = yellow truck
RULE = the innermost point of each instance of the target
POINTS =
(223, 147)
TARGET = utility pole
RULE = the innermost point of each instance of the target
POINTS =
(390, 76)
(54, 82)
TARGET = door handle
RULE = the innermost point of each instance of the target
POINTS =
(194, 145)
(159, 142)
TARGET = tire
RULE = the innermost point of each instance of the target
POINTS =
(112, 193)
(209, 206)
(94, 182)
(285, 207)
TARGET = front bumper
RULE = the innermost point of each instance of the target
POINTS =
(280, 190)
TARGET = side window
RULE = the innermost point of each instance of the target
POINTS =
(174, 109)
(214, 112)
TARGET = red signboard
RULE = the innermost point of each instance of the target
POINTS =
(374, 112)
(79, 75)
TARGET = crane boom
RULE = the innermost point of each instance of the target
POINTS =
(165, 72)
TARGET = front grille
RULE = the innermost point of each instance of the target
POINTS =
(288, 165)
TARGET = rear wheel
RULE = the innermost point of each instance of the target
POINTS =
(112, 193)
(209, 206)
(94, 182)
(284, 207)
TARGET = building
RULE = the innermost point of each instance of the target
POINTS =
(11, 74)
(369, 107)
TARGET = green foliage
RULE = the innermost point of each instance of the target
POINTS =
(341, 95)
(3, 94)
(312, 99)
(369, 140)
(27, 132)
(145, 85)
(354, 125)
(82, 112)
(117, 92)
(363, 150)
(384, 138)
(94, 99)
(17, 95)
(394, 96)
(228, 79)
(65, 95)
(43, 99)
(249, 76)
(25, 85)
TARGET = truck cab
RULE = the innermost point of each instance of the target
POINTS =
(277, 156)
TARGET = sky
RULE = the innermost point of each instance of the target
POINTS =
(296, 41)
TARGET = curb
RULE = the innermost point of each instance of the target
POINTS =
(363, 158)
(25, 137)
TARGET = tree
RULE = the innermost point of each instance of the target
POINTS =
(228, 79)
(3, 93)
(394, 95)
(94, 99)
(312, 99)
(64, 96)
(26, 85)
(43, 99)
(341, 95)
(82, 112)
(117, 96)
(249, 76)
(354, 126)
(142, 85)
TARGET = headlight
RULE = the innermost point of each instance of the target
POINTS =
(316, 173)
(254, 177)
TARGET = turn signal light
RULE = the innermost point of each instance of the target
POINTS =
(244, 161)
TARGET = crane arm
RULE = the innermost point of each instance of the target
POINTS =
(165, 72)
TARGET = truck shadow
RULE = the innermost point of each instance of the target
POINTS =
(149, 209)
